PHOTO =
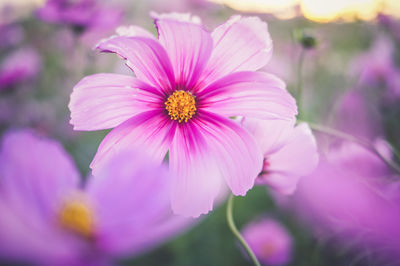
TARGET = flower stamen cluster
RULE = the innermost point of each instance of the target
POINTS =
(77, 217)
(181, 106)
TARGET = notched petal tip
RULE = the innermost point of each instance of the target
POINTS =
(240, 44)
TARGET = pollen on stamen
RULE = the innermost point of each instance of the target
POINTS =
(181, 106)
(77, 217)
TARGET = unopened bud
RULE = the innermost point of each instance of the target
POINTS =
(305, 39)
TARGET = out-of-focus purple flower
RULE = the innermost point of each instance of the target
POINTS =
(289, 152)
(269, 240)
(10, 35)
(188, 84)
(377, 67)
(48, 218)
(346, 197)
(79, 13)
(20, 66)
(390, 23)
(354, 158)
(93, 19)
(354, 116)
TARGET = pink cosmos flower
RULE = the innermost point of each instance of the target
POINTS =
(90, 19)
(79, 13)
(19, 66)
(290, 152)
(10, 35)
(188, 84)
(377, 67)
(47, 218)
(355, 115)
(349, 197)
(270, 241)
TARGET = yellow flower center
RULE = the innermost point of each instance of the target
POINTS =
(181, 106)
(77, 217)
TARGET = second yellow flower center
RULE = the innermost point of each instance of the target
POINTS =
(77, 217)
(181, 106)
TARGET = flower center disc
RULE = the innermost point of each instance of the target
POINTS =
(181, 106)
(77, 217)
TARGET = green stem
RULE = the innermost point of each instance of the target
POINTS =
(235, 231)
(362, 142)
(299, 90)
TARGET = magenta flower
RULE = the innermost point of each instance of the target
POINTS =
(289, 152)
(356, 116)
(270, 241)
(377, 67)
(47, 218)
(10, 35)
(349, 197)
(79, 13)
(187, 85)
(20, 66)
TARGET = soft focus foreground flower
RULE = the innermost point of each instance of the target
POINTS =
(188, 83)
(346, 197)
(290, 152)
(21, 65)
(270, 241)
(47, 218)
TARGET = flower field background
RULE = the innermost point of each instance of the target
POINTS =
(343, 70)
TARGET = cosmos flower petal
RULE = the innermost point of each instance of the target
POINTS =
(270, 135)
(151, 129)
(196, 176)
(104, 101)
(237, 153)
(240, 44)
(144, 217)
(146, 57)
(252, 94)
(299, 157)
(30, 240)
(43, 175)
(189, 47)
(32, 187)
(285, 184)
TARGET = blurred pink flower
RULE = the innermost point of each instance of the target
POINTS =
(188, 84)
(93, 18)
(390, 23)
(355, 116)
(377, 66)
(289, 152)
(49, 219)
(270, 241)
(10, 35)
(20, 66)
(347, 197)
(78, 13)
